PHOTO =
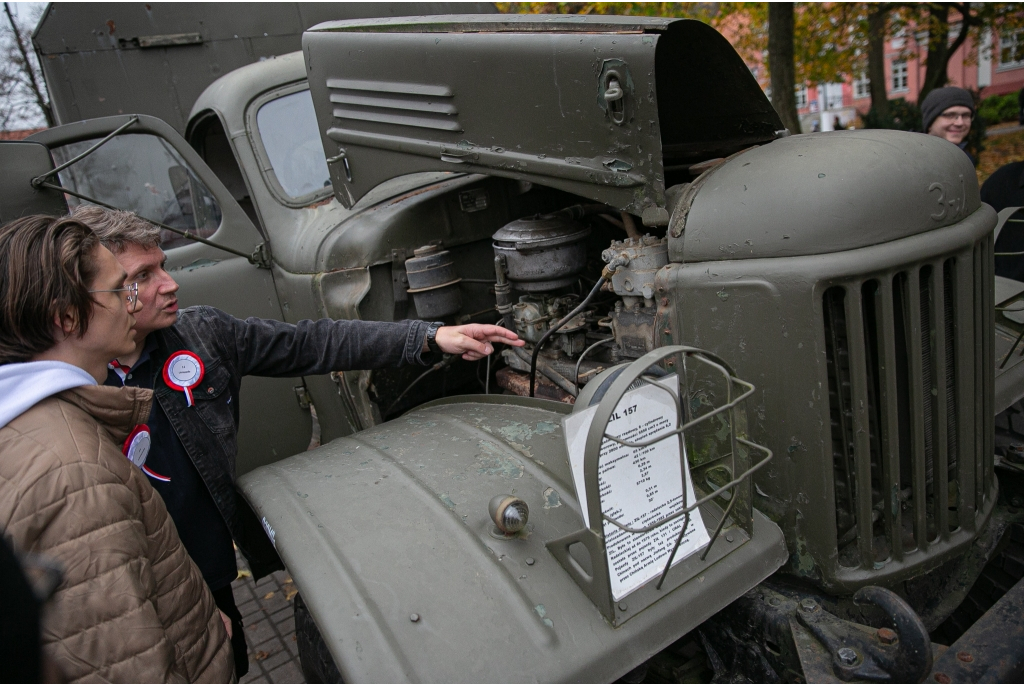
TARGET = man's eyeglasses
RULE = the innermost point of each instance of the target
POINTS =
(953, 116)
(132, 296)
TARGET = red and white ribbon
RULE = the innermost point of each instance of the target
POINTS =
(183, 371)
(136, 446)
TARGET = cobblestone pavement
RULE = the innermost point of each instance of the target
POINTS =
(267, 613)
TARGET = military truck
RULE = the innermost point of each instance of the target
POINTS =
(619, 191)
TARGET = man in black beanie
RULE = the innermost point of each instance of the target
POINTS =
(947, 113)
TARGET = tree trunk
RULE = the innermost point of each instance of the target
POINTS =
(29, 72)
(781, 63)
(878, 15)
(938, 49)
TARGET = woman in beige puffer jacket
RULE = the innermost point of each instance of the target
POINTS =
(132, 606)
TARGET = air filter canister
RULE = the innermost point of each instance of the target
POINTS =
(433, 283)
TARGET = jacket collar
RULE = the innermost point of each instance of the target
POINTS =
(118, 410)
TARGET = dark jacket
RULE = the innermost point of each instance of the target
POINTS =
(1005, 188)
(230, 349)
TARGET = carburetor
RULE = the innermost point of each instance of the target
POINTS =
(632, 319)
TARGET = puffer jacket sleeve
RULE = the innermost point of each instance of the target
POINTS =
(132, 607)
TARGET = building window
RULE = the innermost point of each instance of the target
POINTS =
(899, 76)
(1011, 51)
(899, 39)
(861, 87)
(833, 95)
(801, 97)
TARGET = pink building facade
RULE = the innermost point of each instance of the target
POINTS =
(989, 68)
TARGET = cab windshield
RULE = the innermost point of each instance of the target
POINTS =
(291, 138)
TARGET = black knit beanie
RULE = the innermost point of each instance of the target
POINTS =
(941, 99)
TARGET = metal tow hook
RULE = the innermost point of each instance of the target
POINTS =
(902, 655)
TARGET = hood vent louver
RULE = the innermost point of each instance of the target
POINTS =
(395, 103)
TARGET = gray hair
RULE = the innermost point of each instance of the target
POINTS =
(117, 228)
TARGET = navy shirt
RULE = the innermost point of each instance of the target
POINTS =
(171, 472)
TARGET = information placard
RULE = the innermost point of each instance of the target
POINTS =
(639, 486)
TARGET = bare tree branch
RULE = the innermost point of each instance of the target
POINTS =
(29, 72)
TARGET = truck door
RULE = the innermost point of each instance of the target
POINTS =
(149, 169)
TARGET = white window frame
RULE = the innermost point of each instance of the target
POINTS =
(801, 97)
(833, 95)
(899, 39)
(861, 87)
(1012, 42)
(894, 78)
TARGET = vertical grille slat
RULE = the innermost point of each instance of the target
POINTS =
(988, 312)
(917, 409)
(889, 411)
(861, 424)
(965, 392)
(940, 445)
(980, 362)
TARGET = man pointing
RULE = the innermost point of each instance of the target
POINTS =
(193, 426)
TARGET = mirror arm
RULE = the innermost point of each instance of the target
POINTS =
(39, 180)
(259, 257)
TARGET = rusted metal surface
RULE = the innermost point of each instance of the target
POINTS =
(519, 384)
(992, 650)
(775, 633)
(903, 655)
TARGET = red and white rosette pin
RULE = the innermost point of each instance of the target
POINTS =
(136, 447)
(183, 371)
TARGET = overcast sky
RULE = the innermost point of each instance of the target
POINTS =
(23, 10)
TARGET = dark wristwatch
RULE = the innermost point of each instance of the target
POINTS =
(432, 336)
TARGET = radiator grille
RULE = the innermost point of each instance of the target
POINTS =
(909, 360)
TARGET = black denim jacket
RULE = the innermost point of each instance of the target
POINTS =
(230, 349)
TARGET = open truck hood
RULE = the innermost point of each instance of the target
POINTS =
(388, 537)
(614, 109)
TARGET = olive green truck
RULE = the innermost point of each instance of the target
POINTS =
(618, 190)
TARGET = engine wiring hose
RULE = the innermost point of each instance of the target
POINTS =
(576, 378)
(448, 360)
(605, 275)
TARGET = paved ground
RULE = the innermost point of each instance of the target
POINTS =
(269, 626)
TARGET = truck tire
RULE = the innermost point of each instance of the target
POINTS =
(314, 658)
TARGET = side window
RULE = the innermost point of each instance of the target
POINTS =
(291, 138)
(144, 174)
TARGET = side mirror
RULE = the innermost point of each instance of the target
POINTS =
(20, 162)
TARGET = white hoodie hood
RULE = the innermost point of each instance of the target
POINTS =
(23, 385)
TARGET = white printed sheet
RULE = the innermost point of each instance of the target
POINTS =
(638, 485)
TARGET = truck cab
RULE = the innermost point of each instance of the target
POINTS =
(629, 172)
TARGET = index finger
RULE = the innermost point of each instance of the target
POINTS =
(497, 333)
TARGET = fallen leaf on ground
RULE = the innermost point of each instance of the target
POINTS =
(268, 595)
(244, 574)
(260, 655)
(289, 580)
(290, 592)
